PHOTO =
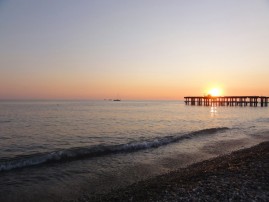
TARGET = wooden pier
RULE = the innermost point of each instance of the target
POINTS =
(252, 101)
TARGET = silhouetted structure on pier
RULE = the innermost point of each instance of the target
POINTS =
(227, 100)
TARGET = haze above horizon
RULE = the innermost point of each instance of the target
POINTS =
(135, 49)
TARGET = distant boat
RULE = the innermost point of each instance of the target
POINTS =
(117, 99)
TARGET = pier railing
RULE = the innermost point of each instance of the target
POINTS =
(228, 100)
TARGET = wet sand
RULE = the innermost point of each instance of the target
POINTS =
(240, 176)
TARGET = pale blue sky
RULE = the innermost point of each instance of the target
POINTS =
(146, 49)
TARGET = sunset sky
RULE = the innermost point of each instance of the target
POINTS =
(142, 49)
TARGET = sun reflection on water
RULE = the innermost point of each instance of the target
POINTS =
(213, 110)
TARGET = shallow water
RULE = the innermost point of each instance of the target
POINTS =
(58, 150)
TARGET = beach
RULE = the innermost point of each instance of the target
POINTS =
(82, 150)
(134, 101)
(240, 176)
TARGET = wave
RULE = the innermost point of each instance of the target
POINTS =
(98, 150)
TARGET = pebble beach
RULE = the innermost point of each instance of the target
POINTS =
(240, 176)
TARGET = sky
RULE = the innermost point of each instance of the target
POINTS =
(142, 49)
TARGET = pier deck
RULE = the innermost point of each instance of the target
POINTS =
(252, 101)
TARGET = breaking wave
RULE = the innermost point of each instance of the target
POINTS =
(98, 150)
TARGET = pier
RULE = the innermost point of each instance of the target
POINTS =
(209, 100)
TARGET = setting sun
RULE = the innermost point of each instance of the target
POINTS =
(214, 92)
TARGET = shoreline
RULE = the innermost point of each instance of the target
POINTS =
(242, 175)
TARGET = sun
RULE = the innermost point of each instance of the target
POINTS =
(214, 92)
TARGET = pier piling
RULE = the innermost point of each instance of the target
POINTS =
(241, 101)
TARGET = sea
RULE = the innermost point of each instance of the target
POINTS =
(64, 150)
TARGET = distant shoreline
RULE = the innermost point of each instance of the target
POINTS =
(242, 175)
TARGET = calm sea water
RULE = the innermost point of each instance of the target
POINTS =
(60, 150)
